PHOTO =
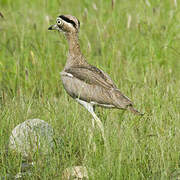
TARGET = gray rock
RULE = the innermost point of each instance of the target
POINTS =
(75, 173)
(30, 137)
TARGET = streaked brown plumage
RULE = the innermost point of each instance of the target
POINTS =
(87, 84)
(84, 81)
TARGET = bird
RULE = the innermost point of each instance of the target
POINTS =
(87, 84)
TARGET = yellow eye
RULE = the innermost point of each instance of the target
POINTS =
(58, 21)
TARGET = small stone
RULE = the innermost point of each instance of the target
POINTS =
(75, 173)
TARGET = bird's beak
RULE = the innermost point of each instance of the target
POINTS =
(53, 27)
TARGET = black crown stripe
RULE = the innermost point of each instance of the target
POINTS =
(68, 20)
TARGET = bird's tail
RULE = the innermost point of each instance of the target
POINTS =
(134, 111)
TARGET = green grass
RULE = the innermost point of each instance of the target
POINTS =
(144, 62)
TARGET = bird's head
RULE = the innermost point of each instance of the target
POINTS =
(66, 24)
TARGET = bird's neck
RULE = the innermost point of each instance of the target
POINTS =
(75, 56)
(73, 42)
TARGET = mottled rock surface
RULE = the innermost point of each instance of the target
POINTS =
(30, 137)
(75, 173)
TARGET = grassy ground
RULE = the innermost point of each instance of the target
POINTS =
(143, 58)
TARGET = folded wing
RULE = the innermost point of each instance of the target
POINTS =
(92, 75)
(93, 85)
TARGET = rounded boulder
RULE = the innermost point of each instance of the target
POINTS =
(32, 136)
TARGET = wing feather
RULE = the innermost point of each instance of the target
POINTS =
(92, 75)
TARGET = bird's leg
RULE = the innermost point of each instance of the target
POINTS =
(89, 107)
(91, 131)
(100, 125)
(91, 136)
